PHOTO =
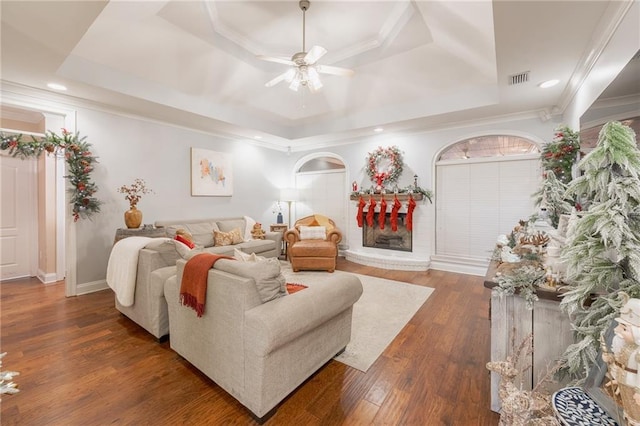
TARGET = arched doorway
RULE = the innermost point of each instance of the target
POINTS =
(321, 179)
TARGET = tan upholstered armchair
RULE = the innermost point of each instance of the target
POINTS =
(312, 244)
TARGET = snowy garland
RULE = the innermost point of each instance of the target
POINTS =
(390, 157)
(80, 163)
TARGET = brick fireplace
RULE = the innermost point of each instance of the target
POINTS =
(382, 248)
(387, 239)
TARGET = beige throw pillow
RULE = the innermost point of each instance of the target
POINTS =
(227, 238)
(313, 232)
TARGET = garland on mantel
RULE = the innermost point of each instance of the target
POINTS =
(80, 164)
(395, 207)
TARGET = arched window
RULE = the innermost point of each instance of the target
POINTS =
(321, 179)
(489, 146)
(483, 188)
(321, 163)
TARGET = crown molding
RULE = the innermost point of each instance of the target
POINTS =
(611, 20)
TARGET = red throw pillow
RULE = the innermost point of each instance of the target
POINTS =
(184, 241)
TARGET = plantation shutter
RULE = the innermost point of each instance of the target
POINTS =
(477, 200)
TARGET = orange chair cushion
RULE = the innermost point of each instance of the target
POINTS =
(313, 248)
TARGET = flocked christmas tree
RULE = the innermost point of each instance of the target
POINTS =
(561, 153)
(602, 251)
(551, 196)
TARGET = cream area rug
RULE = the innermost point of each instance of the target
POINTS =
(382, 311)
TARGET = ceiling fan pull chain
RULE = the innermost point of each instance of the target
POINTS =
(304, 13)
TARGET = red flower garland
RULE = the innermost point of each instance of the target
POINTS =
(80, 163)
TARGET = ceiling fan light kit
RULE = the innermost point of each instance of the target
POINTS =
(304, 70)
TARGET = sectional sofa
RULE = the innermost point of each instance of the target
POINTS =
(157, 262)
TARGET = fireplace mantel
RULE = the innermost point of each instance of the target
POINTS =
(387, 197)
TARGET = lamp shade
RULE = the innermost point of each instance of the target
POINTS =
(289, 194)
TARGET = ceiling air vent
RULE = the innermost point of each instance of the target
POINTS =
(520, 78)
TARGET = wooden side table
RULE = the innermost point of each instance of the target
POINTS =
(282, 228)
(145, 231)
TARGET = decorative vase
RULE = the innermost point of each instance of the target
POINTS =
(133, 218)
(279, 218)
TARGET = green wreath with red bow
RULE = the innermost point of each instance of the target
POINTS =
(393, 156)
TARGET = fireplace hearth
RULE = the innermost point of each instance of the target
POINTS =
(388, 239)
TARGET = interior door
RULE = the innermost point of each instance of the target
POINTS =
(18, 225)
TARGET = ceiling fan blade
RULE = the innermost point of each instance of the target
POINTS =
(275, 59)
(327, 69)
(287, 75)
(314, 54)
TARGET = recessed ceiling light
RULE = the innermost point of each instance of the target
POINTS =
(378, 129)
(548, 83)
(56, 86)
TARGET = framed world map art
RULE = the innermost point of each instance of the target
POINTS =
(211, 173)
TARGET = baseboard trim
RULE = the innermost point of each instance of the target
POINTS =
(387, 262)
(91, 287)
(460, 265)
(47, 278)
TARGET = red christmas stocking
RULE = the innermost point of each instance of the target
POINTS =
(397, 205)
(410, 207)
(382, 216)
(370, 213)
(361, 205)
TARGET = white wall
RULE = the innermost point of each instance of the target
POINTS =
(420, 153)
(624, 43)
(129, 148)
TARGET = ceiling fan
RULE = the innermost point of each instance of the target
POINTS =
(304, 69)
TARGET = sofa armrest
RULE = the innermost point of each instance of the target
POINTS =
(274, 236)
(292, 236)
(334, 236)
(148, 261)
(275, 323)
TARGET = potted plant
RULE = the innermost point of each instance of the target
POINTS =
(134, 193)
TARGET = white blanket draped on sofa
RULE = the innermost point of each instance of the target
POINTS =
(122, 267)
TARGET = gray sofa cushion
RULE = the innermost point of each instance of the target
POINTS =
(255, 246)
(202, 232)
(270, 282)
(228, 225)
(222, 250)
(166, 249)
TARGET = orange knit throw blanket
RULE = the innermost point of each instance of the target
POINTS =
(193, 288)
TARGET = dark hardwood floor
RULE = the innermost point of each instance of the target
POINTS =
(82, 363)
